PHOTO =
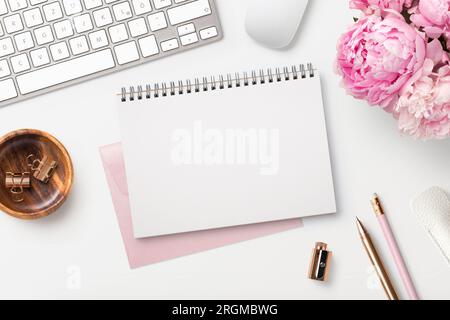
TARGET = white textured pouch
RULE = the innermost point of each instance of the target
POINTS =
(433, 210)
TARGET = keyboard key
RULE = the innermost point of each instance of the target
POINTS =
(72, 6)
(157, 21)
(4, 69)
(186, 29)
(33, 17)
(91, 4)
(59, 51)
(7, 90)
(63, 29)
(39, 57)
(43, 35)
(3, 7)
(102, 17)
(6, 47)
(189, 39)
(159, 4)
(20, 63)
(13, 23)
(137, 27)
(79, 45)
(1, 31)
(24, 41)
(16, 5)
(169, 45)
(52, 11)
(118, 33)
(36, 2)
(83, 23)
(126, 52)
(189, 11)
(65, 71)
(98, 39)
(122, 11)
(208, 33)
(148, 46)
(141, 6)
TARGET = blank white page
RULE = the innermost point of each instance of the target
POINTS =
(228, 157)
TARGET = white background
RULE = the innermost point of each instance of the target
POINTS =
(39, 257)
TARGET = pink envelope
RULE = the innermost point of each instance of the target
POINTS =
(148, 251)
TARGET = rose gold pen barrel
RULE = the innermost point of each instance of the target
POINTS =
(377, 263)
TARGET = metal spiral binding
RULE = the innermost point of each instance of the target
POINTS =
(229, 81)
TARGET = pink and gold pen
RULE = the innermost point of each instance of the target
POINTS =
(393, 247)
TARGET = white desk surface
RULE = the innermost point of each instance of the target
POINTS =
(41, 258)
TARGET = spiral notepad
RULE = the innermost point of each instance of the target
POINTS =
(226, 150)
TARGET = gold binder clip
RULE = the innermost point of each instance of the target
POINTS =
(42, 169)
(16, 182)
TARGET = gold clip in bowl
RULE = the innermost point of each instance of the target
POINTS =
(16, 182)
(42, 169)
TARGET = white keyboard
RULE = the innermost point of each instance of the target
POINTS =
(47, 44)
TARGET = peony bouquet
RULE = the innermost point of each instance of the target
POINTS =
(397, 56)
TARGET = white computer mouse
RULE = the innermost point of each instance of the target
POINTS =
(274, 23)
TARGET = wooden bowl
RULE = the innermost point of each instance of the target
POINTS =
(41, 199)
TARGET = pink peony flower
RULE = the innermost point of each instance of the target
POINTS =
(423, 111)
(377, 57)
(433, 16)
(447, 37)
(369, 6)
